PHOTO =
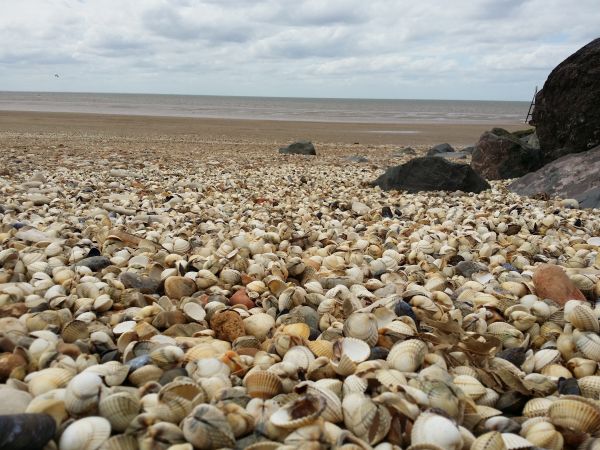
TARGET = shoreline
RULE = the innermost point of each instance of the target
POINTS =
(283, 131)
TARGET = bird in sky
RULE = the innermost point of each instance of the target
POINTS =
(56, 75)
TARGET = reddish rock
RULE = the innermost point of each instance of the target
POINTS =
(246, 279)
(552, 282)
(241, 298)
(227, 325)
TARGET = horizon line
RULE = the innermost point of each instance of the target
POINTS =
(262, 96)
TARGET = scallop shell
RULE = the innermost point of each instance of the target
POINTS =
(583, 318)
(302, 411)
(365, 418)
(207, 427)
(470, 386)
(489, 441)
(119, 409)
(321, 348)
(355, 349)
(537, 407)
(362, 326)
(407, 356)
(590, 386)
(446, 435)
(262, 384)
(544, 435)
(300, 356)
(575, 413)
(85, 434)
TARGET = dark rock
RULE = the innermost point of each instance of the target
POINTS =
(566, 113)
(386, 212)
(171, 374)
(469, 150)
(356, 159)
(514, 355)
(568, 386)
(403, 308)
(453, 155)
(571, 176)
(440, 148)
(468, 268)
(94, 263)
(93, 252)
(379, 353)
(521, 134)
(299, 148)
(145, 285)
(533, 141)
(431, 174)
(26, 431)
(499, 155)
(407, 151)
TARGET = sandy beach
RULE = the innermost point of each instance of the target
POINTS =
(180, 275)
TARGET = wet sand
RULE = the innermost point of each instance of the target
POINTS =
(414, 134)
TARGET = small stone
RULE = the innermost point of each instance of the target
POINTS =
(552, 282)
(241, 298)
(386, 212)
(94, 263)
(569, 203)
(360, 208)
(145, 285)
(440, 148)
(179, 287)
(227, 325)
(468, 268)
(299, 148)
(39, 199)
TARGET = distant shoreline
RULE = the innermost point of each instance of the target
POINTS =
(48, 124)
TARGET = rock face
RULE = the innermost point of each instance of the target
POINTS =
(299, 148)
(566, 114)
(499, 155)
(440, 148)
(431, 174)
(572, 176)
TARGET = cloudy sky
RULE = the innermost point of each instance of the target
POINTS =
(448, 49)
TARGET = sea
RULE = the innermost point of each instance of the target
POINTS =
(271, 108)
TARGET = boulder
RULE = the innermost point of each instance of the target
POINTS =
(406, 151)
(573, 176)
(453, 155)
(299, 148)
(431, 174)
(500, 155)
(440, 148)
(566, 113)
(470, 149)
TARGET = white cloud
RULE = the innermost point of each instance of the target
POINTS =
(354, 48)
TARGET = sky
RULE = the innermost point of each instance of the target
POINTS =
(430, 49)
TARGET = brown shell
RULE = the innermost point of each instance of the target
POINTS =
(262, 384)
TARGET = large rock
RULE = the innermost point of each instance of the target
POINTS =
(572, 176)
(440, 148)
(299, 148)
(431, 174)
(566, 113)
(500, 155)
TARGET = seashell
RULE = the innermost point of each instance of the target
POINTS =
(321, 348)
(46, 380)
(489, 441)
(581, 367)
(362, 326)
(74, 331)
(145, 374)
(470, 386)
(575, 413)
(537, 407)
(365, 418)
(194, 311)
(297, 329)
(407, 356)
(262, 384)
(588, 343)
(113, 372)
(544, 435)
(88, 433)
(177, 398)
(120, 409)
(590, 386)
(542, 358)
(556, 371)
(168, 356)
(300, 356)
(120, 442)
(333, 405)
(157, 435)
(240, 421)
(26, 431)
(302, 411)
(514, 441)
(446, 435)
(583, 318)
(82, 393)
(259, 325)
(355, 349)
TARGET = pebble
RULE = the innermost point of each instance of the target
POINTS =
(94, 263)
(177, 287)
(552, 282)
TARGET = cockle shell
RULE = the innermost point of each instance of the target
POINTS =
(446, 434)
(407, 356)
(365, 418)
(88, 433)
(302, 411)
(207, 427)
(82, 393)
(262, 384)
(575, 413)
(362, 326)
(544, 435)
(177, 398)
(120, 409)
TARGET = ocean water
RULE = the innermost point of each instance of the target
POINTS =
(271, 108)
